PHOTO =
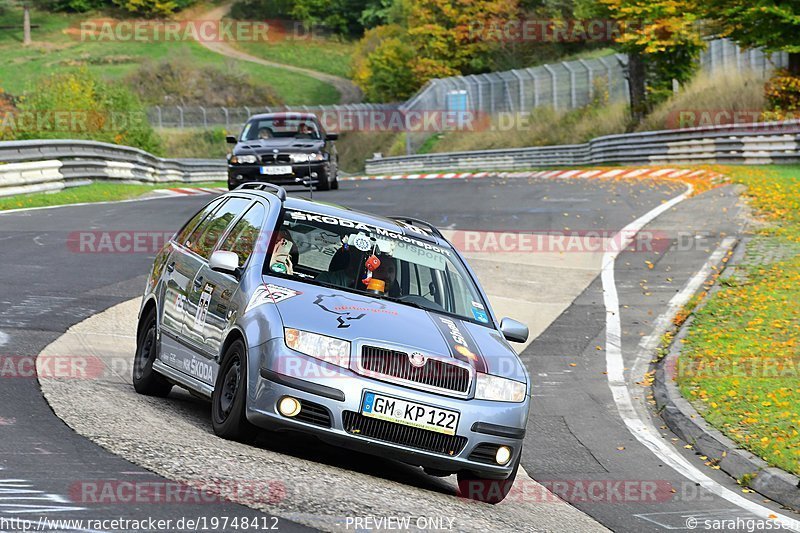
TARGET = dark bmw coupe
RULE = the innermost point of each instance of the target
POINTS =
(284, 148)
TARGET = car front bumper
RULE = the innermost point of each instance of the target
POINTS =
(340, 392)
(239, 174)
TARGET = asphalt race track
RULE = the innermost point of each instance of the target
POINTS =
(579, 433)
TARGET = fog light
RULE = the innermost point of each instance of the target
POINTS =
(289, 406)
(503, 455)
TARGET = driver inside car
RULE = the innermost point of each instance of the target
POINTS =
(342, 270)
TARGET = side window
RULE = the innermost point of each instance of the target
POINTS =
(205, 237)
(183, 234)
(242, 238)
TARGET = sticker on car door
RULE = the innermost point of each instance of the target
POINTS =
(202, 307)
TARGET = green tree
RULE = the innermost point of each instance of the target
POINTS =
(769, 24)
(663, 43)
(75, 105)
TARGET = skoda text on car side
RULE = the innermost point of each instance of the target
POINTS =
(370, 333)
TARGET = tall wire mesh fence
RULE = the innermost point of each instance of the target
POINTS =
(565, 85)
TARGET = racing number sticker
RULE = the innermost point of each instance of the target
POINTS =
(202, 307)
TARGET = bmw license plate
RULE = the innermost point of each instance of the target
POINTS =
(408, 413)
(276, 170)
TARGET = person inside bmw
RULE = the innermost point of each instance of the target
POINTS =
(264, 133)
(304, 131)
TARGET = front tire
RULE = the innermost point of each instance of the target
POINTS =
(145, 379)
(485, 490)
(324, 184)
(229, 397)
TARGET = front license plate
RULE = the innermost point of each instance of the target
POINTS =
(410, 413)
(277, 170)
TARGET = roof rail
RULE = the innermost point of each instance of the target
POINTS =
(279, 191)
(418, 222)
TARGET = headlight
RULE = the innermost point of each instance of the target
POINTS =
(244, 159)
(305, 158)
(328, 349)
(499, 389)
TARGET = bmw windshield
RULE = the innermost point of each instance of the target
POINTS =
(374, 260)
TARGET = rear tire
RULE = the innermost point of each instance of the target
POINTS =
(145, 379)
(485, 490)
(230, 396)
(335, 182)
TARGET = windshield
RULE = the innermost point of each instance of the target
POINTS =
(373, 260)
(280, 127)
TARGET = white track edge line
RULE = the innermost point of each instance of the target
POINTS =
(643, 430)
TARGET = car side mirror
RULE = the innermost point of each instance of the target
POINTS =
(331, 136)
(230, 139)
(514, 331)
(225, 262)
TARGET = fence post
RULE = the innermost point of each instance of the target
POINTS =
(160, 123)
(180, 113)
(554, 84)
(591, 77)
(573, 96)
(521, 90)
(227, 120)
(205, 117)
(490, 81)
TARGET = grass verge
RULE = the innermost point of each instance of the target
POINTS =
(58, 44)
(741, 359)
(96, 192)
(324, 55)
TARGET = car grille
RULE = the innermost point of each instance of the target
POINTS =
(281, 159)
(421, 439)
(391, 365)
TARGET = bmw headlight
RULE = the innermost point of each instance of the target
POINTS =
(305, 158)
(244, 159)
(328, 349)
(499, 389)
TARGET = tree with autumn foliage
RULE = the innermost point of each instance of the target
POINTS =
(773, 26)
(434, 39)
(663, 43)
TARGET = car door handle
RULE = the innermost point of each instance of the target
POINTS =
(198, 282)
(171, 267)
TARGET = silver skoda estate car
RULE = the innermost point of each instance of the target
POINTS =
(370, 333)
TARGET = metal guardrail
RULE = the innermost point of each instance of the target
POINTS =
(764, 143)
(50, 165)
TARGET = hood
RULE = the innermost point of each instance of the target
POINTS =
(283, 144)
(355, 317)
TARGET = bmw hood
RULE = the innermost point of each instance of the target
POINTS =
(356, 317)
(287, 144)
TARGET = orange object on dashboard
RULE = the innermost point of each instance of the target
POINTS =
(376, 284)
